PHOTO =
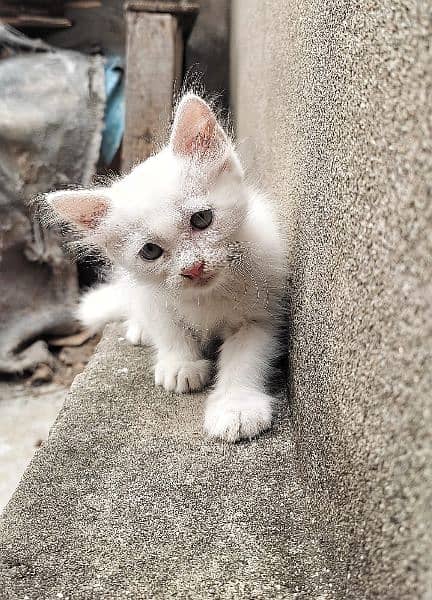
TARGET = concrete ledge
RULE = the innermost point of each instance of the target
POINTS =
(127, 499)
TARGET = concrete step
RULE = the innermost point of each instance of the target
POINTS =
(127, 499)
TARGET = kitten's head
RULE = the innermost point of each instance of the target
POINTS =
(174, 220)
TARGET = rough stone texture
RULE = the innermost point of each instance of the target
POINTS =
(127, 499)
(333, 102)
(26, 416)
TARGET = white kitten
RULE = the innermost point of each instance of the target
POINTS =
(197, 255)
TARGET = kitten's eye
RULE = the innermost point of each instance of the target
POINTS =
(202, 219)
(150, 251)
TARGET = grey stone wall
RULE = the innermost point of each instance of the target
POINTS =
(332, 107)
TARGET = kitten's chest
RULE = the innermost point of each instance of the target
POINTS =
(219, 316)
(207, 319)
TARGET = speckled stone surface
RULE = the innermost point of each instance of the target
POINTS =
(332, 103)
(333, 112)
(127, 499)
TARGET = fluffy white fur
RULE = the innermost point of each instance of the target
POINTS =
(242, 252)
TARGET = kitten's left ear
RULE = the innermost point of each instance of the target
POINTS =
(196, 132)
(83, 208)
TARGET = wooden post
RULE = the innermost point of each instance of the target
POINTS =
(156, 31)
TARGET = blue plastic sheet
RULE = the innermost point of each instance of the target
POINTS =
(115, 108)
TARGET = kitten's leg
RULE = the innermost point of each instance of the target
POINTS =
(137, 333)
(239, 406)
(139, 320)
(101, 305)
(179, 364)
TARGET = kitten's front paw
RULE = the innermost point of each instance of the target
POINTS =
(182, 376)
(238, 414)
(136, 333)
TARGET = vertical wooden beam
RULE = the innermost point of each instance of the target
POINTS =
(154, 54)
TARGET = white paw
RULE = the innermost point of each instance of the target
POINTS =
(238, 414)
(136, 334)
(182, 376)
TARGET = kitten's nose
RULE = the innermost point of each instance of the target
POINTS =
(195, 271)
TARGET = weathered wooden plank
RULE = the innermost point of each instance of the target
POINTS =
(32, 7)
(83, 3)
(163, 6)
(36, 21)
(154, 72)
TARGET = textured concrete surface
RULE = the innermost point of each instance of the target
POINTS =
(333, 109)
(127, 499)
(26, 416)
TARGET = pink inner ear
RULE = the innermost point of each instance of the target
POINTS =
(84, 211)
(195, 128)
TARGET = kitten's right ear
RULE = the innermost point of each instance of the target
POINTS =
(196, 132)
(83, 208)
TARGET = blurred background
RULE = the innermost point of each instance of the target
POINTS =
(69, 114)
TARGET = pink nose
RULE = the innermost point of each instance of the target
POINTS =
(195, 271)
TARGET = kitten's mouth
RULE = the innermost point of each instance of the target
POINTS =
(205, 280)
(201, 281)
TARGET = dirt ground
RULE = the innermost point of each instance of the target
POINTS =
(29, 406)
(71, 354)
